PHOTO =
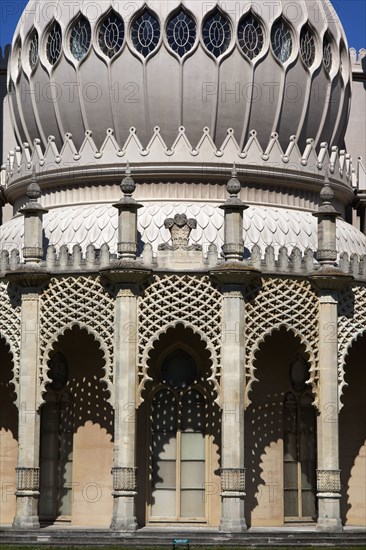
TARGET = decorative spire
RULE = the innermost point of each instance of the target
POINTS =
(233, 186)
(233, 247)
(127, 218)
(128, 184)
(327, 225)
(33, 222)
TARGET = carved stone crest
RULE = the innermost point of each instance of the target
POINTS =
(180, 228)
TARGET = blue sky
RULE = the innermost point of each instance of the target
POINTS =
(351, 12)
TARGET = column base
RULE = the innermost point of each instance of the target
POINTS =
(124, 512)
(329, 525)
(234, 525)
(26, 516)
(26, 522)
(232, 513)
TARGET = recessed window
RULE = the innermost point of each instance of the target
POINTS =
(307, 46)
(80, 38)
(181, 33)
(179, 369)
(145, 33)
(250, 35)
(327, 54)
(216, 34)
(281, 41)
(33, 50)
(111, 35)
(54, 43)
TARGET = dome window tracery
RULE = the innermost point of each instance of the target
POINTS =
(216, 34)
(111, 35)
(33, 49)
(281, 41)
(145, 33)
(251, 36)
(327, 54)
(307, 46)
(54, 43)
(80, 38)
(181, 33)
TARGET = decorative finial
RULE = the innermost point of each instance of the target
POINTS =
(233, 185)
(326, 196)
(33, 189)
(128, 185)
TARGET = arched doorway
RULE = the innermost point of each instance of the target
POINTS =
(182, 437)
(280, 440)
(76, 447)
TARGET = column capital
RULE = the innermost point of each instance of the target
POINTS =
(330, 278)
(29, 277)
(234, 274)
(125, 272)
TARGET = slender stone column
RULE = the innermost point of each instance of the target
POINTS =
(328, 280)
(124, 464)
(328, 473)
(127, 275)
(31, 278)
(232, 425)
(27, 479)
(232, 276)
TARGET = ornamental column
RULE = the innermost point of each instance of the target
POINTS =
(127, 275)
(328, 280)
(232, 276)
(31, 279)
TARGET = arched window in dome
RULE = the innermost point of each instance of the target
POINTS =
(111, 34)
(80, 38)
(33, 49)
(250, 36)
(307, 46)
(17, 55)
(216, 34)
(145, 33)
(281, 41)
(54, 43)
(327, 53)
(181, 33)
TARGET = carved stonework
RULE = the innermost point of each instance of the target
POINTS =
(124, 479)
(180, 229)
(328, 481)
(170, 300)
(233, 480)
(27, 479)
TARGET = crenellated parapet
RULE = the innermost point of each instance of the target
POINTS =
(287, 262)
(358, 60)
(70, 165)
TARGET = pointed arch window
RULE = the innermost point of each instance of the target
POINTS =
(327, 53)
(281, 41)
(250, 36)
(111, 35)
(54, 43)
(33, 49)
(307, 46)
(80, 38)
(181, 33)
(145, 33)
(216, 33)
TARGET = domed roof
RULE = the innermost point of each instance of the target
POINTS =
(97, 224)
(274, 67)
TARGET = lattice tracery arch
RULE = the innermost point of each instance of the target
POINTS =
(351, 326)
(190, 301)
(10, 326)
(277, 303)
(84, 302)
